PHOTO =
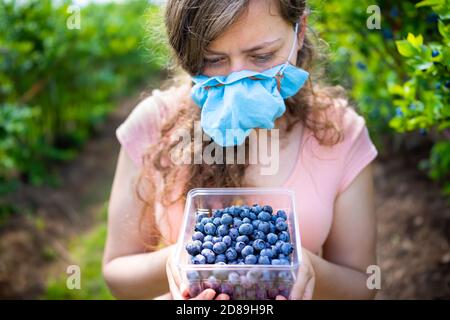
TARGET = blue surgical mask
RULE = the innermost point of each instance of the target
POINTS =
(233, 105)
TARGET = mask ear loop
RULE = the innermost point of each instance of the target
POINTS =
(292, 50)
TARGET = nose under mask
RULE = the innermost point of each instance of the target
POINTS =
(235, 104)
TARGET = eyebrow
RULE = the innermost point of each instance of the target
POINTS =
(257, 47)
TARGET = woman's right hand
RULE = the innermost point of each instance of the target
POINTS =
(178, 289)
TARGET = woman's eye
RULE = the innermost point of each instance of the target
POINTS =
(214, 61)
(263, 57)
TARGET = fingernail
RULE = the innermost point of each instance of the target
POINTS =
(211, 294)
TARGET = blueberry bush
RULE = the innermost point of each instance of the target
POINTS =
(397, 74)
(58, 83)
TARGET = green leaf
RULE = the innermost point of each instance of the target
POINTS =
(444, 30)
(430, 3)
(415, 41)
(405, 48)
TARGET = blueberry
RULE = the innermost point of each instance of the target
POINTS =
(279, 220)
(264, 216)
(226, 288)
(285, 276)
(204, 221)
(244, 213)
(227, 240)
(233, 233)
(231, 254)
(219, 247)
(281, 226)
(278, 244)
(276, 262)
(264, 227)
(222, 230)
(216, 222)
(246, 229)
(212, 283)
(210, 229)
(209, 255)
(435, 53)
(259, 235)
(233, 278)
(246, 220)
(263, 260)
(272, 238)
(250, 259)
(268, 209)
(287, 248)
(207, 245)
(194, 247)
(246, 251)
(243, 239)
(282, 214)
(201, 215)
(256, 209)
(193, 275)
(285, 261)
(226, 219)
(252, 216)
(237, 222)
(266, 253)
(199, 259)
(208, 238)
(217, 213)
(275, 251)
(239, 246)
(284, 236)
(255, 223)
(244, 283)
(221, 258)
(199, 227)
(273, 229)
(259, 244)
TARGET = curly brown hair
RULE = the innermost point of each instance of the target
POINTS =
(189, 35)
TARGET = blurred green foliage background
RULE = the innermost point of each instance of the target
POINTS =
(57, 83)
(398, 76)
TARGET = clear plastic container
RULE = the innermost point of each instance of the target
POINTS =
(250, 282)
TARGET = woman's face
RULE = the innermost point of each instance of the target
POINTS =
(260, 39)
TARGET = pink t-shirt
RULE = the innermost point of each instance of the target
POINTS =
(320, 173)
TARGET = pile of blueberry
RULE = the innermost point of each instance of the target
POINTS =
(241, 235)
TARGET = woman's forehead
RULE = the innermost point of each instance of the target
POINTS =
(260, 23)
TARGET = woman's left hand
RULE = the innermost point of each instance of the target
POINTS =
(304, 286)
(178, 289)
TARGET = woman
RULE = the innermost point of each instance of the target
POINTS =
(325, 151)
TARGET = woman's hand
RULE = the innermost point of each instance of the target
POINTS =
(178, 288)
(304, 286)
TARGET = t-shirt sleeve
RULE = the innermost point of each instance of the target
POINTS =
(358, 148)
(142, 127)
